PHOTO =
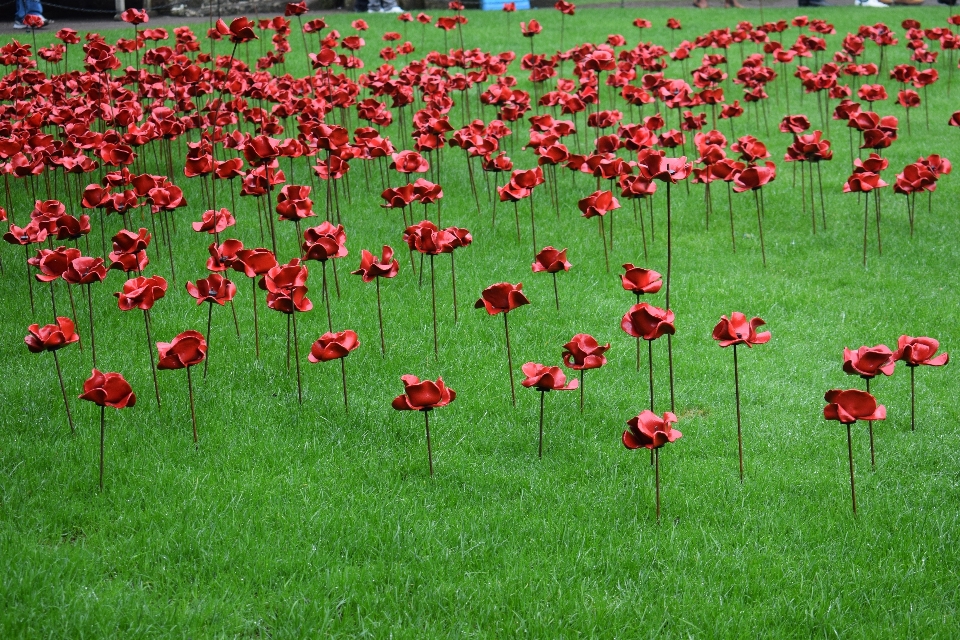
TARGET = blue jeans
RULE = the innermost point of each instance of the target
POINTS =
(27, 7)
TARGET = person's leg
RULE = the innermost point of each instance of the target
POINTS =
(390, 6)
(33, 7)
(20, 11)
(374, 6)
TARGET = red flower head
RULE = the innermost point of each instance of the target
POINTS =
(33, 21)
(324, 242)
(85, 270)
(916, 351)
(213, 288)
(852, 405)
(254, 262)
(135, 16)
(639, 280)
(108, 390)
(215, 221)
(51, 337)
(53, 262)
(222, 257)
(409, 162)
(794, 124)
(530, 29)
(286, 287)
(648, 322)
(657, 167)
(584, 352)
(551, 260)
(370, 267)
(261, 150)
(544, 378)
(869, 361)
(598, 203)
(30, 234)
(423, 396)
(864, 181)
(333, 346)
(426, 238)
(141, 293)
(501, 298)
(737, 330)
(295, 9)
(566, 8)
(750, 149)
(650, 431)
(509, 7)
(872, 92)
(240, 30)
(673, 23)
(754, 177)
(186, 350)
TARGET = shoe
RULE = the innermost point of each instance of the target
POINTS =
(875, 4)
(372, 11)
(19, 25)
(394, 10)
(47, 23)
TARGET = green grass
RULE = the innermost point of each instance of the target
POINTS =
(293, 521)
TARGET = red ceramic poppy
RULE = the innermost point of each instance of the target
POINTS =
(639, 280)
(598, 203)
(213, 288)
(135, 16)
(186, 350)
(566, 8)
(108, 390)
(551, 260)
(286, 287)
(914, 352)
(423, 395)
(215, 221)
(737, 330)
(645, 321)
(754, 177)
(544, 378)
(141, 293)
(409, 162)
(851, 405)
(650, 431)
(501, 298)
(372, 268)
(332, 346)
(223, 256)
(530, 29)
(85, 270)
(324, 242)
(254, 262)
(584, 352)
(867, 362)
(51, 337)
(53, 262)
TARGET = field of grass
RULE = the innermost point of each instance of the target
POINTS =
(291, 521)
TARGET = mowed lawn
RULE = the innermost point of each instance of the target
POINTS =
(297, 520)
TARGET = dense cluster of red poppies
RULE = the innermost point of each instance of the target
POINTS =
(87, 139)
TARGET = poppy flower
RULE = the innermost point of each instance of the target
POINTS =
(215, 222)
(650, 431)
(213, 289)
(736, 330)
(914, 352)
(643, 320)
(185, 350)
(331, 346)
(335, 346)
(848, 406)
(108, 390)
(530, 29)
(371, 267)
(51, 337)
(53, 262)
(551, 260)
(544, 378)
(141, 293)
(223, 256)
(639, 280)
(501, 298)
(424, 396)
(286, 287)
(584, 352)
(409, 162)
(868, 362)
(566, 8)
